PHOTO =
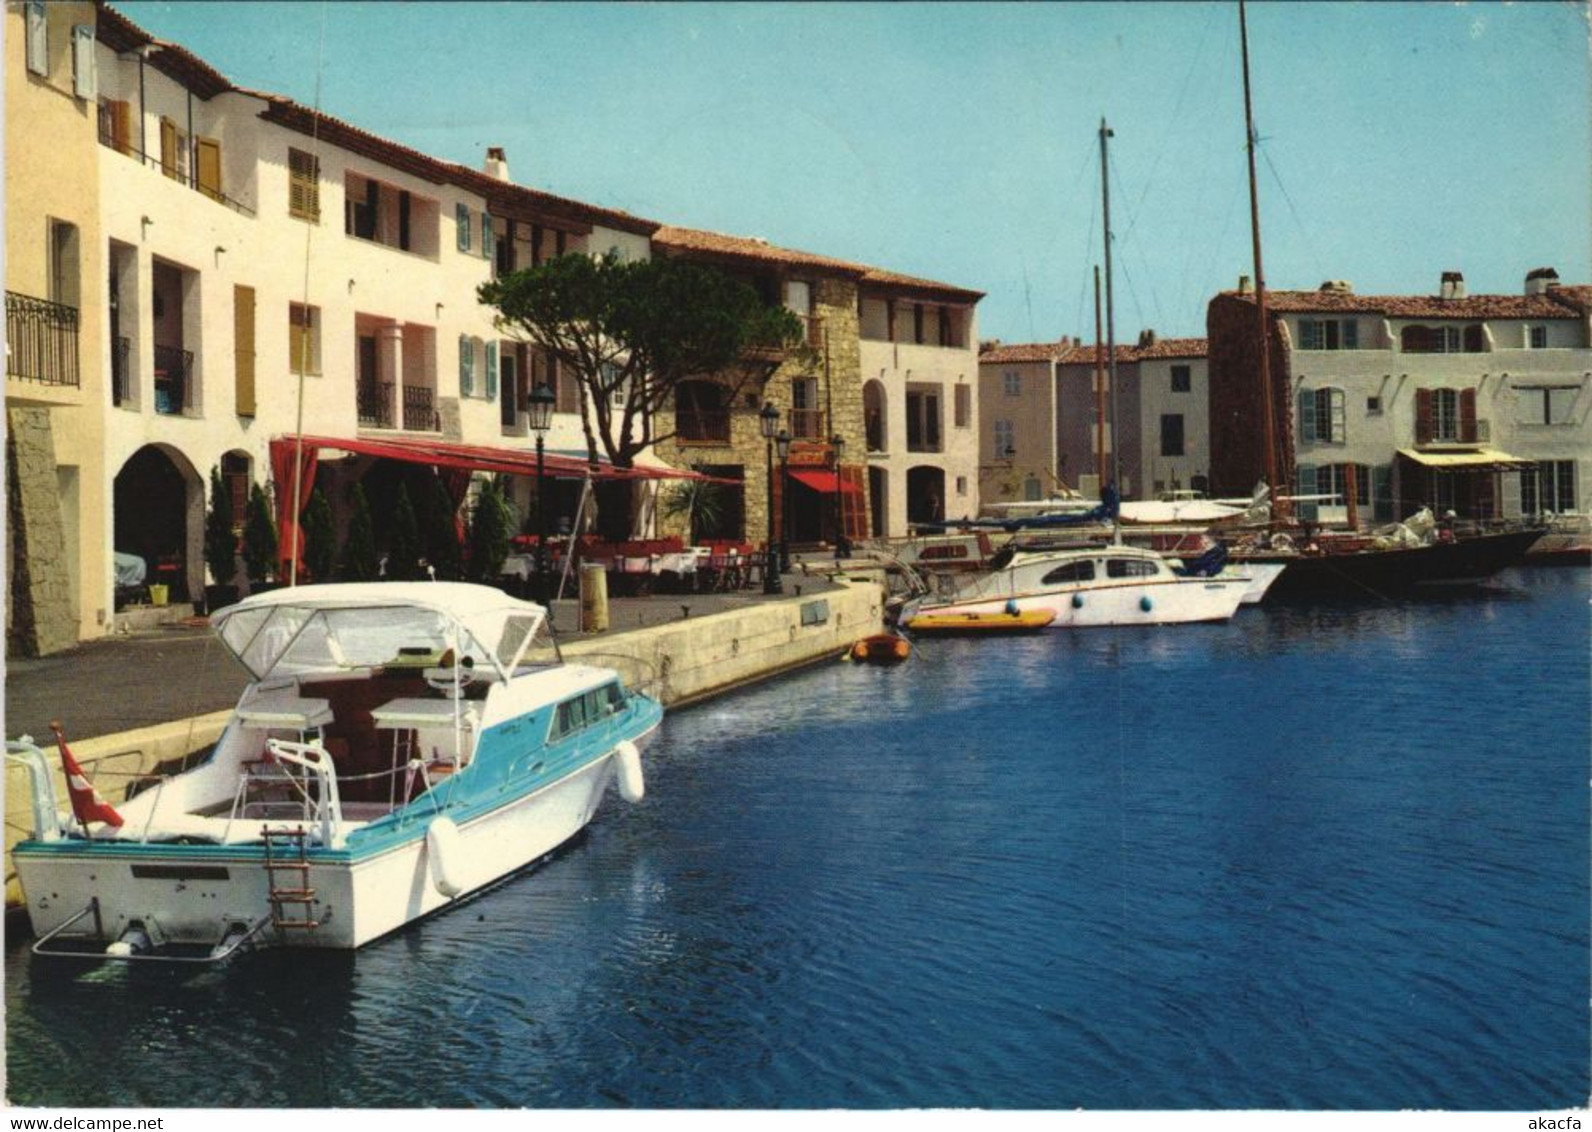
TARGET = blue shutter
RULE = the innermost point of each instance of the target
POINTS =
(1307, 486)
(1307, 414)
(488, 237)
(491, 371)
(85, 82)
(1382, 492)
(462, 215)
(466, 365)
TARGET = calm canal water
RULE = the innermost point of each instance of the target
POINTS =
(1333, 856)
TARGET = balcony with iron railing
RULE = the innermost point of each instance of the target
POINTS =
(420, 410)
(1439, 433)
(375, 405)
(41, 340)
(173, 379)
(702, 426)
(188, 177)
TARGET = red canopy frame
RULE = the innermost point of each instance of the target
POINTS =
(440, 454)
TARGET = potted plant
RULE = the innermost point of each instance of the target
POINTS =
(699, 503)
(490, 526)
(359, 561)
(221, 546)
(403, 552)
(320, 539)
(442, 534)
(259, 542)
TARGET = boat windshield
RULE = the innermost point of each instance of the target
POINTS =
(289, 640)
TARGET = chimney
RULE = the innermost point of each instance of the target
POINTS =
(497, 165)
(1146, 339)
(1541, 280)
(1453, 285)
(1243, 286)
(1337, 287)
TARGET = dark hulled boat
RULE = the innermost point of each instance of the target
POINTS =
(1353, 567)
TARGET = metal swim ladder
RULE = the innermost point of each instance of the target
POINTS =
(285, 852)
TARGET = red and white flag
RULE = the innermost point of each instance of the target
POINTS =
(87, 805)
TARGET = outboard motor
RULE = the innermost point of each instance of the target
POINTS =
(134, 941)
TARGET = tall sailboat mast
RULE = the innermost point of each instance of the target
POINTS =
(1111, 341)
(1262, 334)
(1100, 390)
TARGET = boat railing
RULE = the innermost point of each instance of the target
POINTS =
(44, 805)
(322, 805)
(637, 674)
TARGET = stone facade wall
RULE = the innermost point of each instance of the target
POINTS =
(834, 304)
(39, 617)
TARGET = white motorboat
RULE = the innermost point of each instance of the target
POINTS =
(1089, 586)
(400, 746)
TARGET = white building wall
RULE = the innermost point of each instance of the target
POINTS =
(898, 365)
(1157, 398)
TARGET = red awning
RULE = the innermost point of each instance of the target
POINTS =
(513, 461)
(826, 482)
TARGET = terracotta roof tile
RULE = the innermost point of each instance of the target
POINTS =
(1471, 307)
(748, 249)
(1174, 348)
(1020, 352)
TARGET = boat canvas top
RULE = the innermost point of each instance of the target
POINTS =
(346, 626)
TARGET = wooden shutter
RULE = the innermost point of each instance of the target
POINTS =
(491, 374)
(1424, 416)
(168, 147)
(403, 219)
(461, 219)
(243, 348)
(566, 387)
(466, 366)
(854, 501)
(1467, 415)
(210, 168)
(488, 238)
(121, 127)
(1307, 414)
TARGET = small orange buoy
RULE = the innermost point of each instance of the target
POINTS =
(883, 648)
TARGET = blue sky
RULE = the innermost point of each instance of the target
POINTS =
(959, 142)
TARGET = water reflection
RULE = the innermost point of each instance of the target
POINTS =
(1320, 856)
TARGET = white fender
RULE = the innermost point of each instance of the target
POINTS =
(445, 857)
(627, 756)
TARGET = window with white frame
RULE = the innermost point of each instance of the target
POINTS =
(1012, 382)
(1005, 440)
(1445, 414)
(1321, 416)
(1546, 404)
(1550, 487)
(1329, 334)
(1333, 479)
(1536, 337)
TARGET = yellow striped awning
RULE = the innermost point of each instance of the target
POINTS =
(1466, 459)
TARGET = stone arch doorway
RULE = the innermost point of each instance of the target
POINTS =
(158, 511)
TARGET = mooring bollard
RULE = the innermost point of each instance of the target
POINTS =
(593, 598)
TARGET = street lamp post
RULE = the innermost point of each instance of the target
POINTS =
(541, 403)
(782, 442)
(768, 420)
(836, 443)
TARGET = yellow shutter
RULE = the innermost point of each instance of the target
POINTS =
(243, 348)
(121, 127)
(168, 147)
(210, 168)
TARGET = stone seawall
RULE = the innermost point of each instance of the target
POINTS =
(681, 662)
